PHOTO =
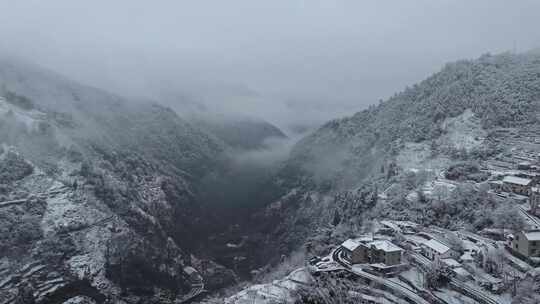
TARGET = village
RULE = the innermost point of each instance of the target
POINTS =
(435, 265)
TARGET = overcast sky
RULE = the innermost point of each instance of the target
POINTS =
(284, 60)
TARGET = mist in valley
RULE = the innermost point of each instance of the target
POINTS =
(157, 152)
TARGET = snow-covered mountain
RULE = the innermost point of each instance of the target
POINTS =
(106, 198)
(98, 195)
(448, 113)
(392, 160)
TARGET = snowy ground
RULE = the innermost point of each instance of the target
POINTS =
(279, 291)
(463, 132)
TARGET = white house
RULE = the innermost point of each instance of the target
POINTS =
(434, 249)
(517, 185)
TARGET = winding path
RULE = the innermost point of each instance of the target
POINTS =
(529, 217)
(476, 294)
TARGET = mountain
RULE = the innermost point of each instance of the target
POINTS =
(379, 162)
(99, 195)
(103, 198)
(501, 91)
(240, 132)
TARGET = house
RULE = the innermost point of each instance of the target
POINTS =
(527, 243)
(467, 257)
(434, 249)
(524, 165)
(534, 200)
(383, 251)
(371, 251)
(462, 274)
(451, 263)
(518, 185)
(533, 176)
(354, 252)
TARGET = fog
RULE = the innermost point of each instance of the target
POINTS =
(290, 62)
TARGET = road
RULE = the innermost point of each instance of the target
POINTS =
(476, 294)
(533, 220)
(196, 290)
(401, 289)
(42, 195)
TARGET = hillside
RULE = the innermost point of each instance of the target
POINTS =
(502, 91)
(99, 195)
(338, 172)
(429, 155)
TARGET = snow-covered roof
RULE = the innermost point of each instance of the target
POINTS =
(467, 257)
(532, 235)
(461, 272)
(451, 262)
(189, 270)
(365, 238)
(391, 225)
(437, 246)
(517, 180)
(350, 244)
(406, 224)
(385, 246)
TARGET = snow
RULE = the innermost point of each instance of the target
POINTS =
(414, 276)
(391, 225)
(29, 118)
(466, 257)
(418, 155)
(190, 270)
(532, 235)
(517, 180)
(64, 214)
(463, 132)
(278, 291)
(462, 272)
(451, 262)
(350, 244)
(385, 245)
(437, 246)
(452, 297)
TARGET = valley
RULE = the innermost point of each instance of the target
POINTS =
(104, 199)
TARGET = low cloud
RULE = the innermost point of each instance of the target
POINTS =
(294, 63)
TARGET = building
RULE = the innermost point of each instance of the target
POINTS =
(524, 165)
(449, 262)
(533, 176)
(372, 252)
(383, 251)
(353, 252)
(534, 200)
(434, 249)
(518, 185)
(527, 243)
(462, 274)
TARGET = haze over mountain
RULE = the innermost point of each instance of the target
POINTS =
(287, 62)
(241, 152)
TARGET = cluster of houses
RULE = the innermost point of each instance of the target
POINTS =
(522, 184)
(385, 256)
